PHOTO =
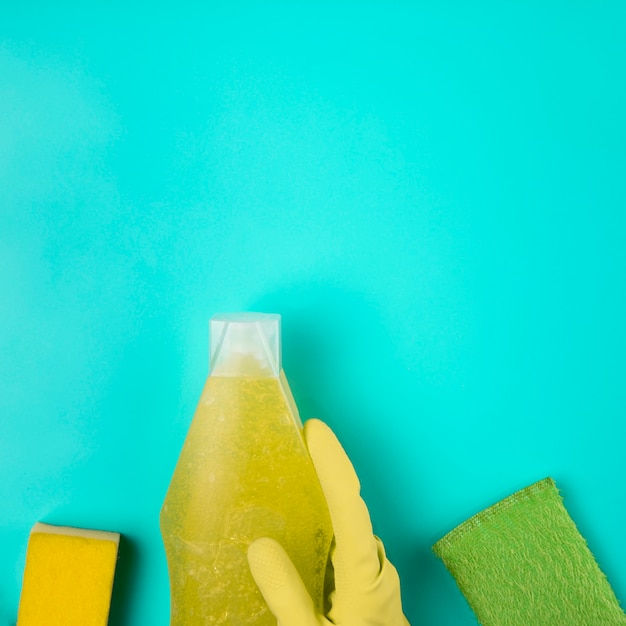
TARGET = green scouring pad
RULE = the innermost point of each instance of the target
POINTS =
(523, 562)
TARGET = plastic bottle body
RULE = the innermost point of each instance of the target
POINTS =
(243, 473)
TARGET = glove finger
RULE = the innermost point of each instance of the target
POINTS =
(280, 584)
(355, 558)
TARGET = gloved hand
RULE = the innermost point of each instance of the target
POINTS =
(367, 586)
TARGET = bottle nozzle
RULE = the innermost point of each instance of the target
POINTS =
(245, 344)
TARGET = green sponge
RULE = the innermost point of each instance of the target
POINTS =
(522, 562)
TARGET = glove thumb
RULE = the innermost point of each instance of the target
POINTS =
(281, 585)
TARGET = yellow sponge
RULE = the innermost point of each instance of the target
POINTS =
(68, 577)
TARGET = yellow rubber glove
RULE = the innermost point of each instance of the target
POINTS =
(367, 586)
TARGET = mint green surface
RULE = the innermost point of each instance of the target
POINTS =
(523, 561)
(431, 194)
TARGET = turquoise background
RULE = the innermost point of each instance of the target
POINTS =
(431, 194)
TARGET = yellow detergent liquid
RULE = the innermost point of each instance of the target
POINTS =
(243, 473)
